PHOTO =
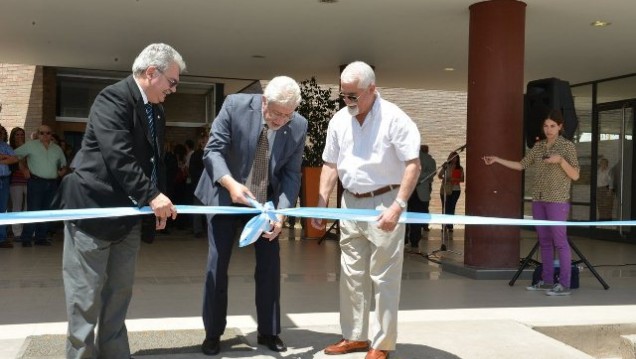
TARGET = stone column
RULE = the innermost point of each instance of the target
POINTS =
(494, 127)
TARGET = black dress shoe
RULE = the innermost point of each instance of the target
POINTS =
(211, 346)
(273, 342)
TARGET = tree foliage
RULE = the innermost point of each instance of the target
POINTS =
(318, 108)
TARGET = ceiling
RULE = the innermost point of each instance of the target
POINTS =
(409, 42)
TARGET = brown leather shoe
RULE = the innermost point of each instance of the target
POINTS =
(345, 346)
(377, 354)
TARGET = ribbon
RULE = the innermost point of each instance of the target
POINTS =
(264, 213)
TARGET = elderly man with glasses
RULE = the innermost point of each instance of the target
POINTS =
(255, 150)
(373, 147)
(46, 164)
(120, 164)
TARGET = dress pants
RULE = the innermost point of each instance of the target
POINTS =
(371, 269)
(4, 201)
(414, 231)
(223, 231)
(98, 280)
(40, 192)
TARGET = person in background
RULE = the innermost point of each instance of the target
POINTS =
(421, 196)
(118, 165)
(452, 175)
(556, 164)
(46, 164)
(604, 190)
(372, 146)
(195, 169)
(18, 187)
(7, 157)
(255, 149)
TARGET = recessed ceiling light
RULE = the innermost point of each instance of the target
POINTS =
(449, 69)
(600, 23)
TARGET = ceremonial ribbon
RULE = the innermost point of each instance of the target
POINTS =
(266, 213)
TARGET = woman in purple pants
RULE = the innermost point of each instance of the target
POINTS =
(556, 166)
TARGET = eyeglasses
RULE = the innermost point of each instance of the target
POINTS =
(173, 83)
(278, 114)
(351, 98)
(45, 132)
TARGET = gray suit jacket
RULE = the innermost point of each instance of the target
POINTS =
(232, 146)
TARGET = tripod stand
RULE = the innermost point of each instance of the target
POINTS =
(445, 232)
(528, 259)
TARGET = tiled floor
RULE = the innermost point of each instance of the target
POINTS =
(442, 315)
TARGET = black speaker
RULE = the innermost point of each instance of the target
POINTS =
(541, 97)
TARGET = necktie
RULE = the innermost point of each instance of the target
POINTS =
(260, 168)
(153, 135)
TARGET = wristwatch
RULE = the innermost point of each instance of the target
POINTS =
(400, 203)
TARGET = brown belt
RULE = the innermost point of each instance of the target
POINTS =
(377, 192)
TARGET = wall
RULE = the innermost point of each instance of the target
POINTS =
(21, 94)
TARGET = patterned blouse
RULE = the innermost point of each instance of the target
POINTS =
(551, 183)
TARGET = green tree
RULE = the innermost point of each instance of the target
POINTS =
(318, 108)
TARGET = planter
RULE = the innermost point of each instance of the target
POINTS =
(309, 198)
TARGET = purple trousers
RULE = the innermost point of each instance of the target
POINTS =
(551, 237)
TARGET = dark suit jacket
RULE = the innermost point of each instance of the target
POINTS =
(232, 146)
(114, 165)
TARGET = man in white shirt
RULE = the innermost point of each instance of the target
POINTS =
(373, 147)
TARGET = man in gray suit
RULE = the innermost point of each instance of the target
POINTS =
(421, 197)
(230, 174)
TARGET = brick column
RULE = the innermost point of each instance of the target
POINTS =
(494, 127)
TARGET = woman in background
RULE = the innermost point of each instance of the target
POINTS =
(18, 186)
(557, 166)
(451, 174)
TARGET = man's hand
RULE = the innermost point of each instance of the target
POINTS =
(388, 219)
(237, 190)
(162, 208)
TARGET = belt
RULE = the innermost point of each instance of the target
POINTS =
(377, 192)
(42, 178)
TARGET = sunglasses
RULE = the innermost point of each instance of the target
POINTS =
(45, 132)
(351, 98)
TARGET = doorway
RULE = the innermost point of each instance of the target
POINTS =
(613, 193)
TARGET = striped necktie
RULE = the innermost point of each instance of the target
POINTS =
(260, 171)
(153, 136)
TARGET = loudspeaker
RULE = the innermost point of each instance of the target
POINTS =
(541, 97)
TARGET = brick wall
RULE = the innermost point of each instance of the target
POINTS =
(21, 94)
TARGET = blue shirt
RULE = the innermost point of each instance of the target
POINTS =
(5, 149)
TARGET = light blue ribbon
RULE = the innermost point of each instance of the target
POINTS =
(266, 213)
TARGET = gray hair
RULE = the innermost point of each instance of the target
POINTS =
(158, 55)
(284, 91)
(360, 72)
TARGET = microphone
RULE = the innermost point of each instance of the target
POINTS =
(462, 148)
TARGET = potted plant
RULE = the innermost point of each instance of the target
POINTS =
(318, 107)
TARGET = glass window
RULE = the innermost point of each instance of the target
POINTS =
(191, 106)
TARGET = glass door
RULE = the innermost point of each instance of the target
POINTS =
(614, 162)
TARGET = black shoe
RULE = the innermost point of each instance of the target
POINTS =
(273, 342)
(211, 346)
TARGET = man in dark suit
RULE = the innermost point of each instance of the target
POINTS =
(230, 174)
(119, 165)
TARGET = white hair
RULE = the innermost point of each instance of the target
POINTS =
(359, 72)
(158, 55)
(284, 91)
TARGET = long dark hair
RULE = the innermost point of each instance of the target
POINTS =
(556, 116)
(14, 132)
